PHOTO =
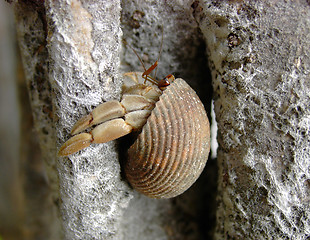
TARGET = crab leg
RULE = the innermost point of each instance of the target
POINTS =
(102, 113)
(110, 130)
(110, 116)
(104, 132)
(110, 110)
(75, 144)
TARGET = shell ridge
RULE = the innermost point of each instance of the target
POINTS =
(194, 159)
(157, 158)
(182, 152)
(201, 125)
(148, 137)
(178, 174)
(178, 140)
(197, 158)
(156, 129)
(139, 146)
(170, 156)
(194, 155)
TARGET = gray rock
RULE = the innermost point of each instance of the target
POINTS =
(258, 55)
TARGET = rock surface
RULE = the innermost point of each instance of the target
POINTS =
(258, 54)
(259, 58)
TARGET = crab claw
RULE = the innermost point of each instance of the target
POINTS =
(104, 132)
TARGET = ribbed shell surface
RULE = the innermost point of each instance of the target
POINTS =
(172, 149)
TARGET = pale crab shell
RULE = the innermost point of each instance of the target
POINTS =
(172, 149)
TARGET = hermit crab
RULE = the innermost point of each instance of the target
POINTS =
(173, 143)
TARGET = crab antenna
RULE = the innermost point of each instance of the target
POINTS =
(124, 41)
(161, 48)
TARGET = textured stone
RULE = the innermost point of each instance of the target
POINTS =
(259, 56)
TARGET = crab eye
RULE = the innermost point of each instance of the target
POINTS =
(165, 82)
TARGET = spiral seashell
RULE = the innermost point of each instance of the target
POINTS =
(172, 149)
